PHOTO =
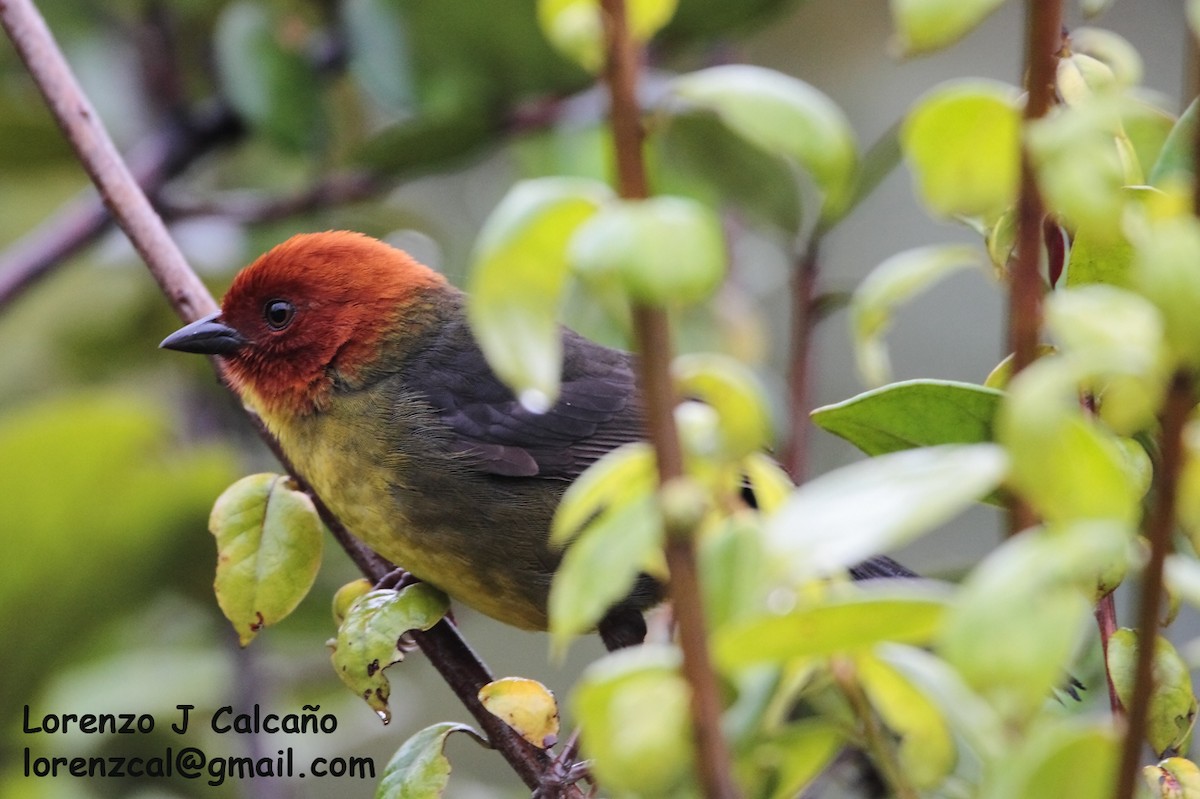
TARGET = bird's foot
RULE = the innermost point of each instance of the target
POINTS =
(396, 579)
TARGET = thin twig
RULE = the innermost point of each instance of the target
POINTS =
(1106, 621)
(804, 319)
(1043, 38)
(653, 336)
(1159, 526)
(446, 649)
(337, 188)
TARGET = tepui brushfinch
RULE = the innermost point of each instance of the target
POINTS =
(361, 363)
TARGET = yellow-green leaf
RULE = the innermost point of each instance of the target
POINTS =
(962, 143)
(518, 277)
(729, 387)
(367, 641)
(923, 26)
(634, 723)
(269, 540)
(525, 705)
(1172, 711)
(626, 471)
(575, 27)
(663, 250)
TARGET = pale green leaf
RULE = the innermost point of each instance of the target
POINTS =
(1015, 651)
(269, 540)
(1060, 759)
(893, 282)
(518, 278)
(419, 769)
(923, 26)
(627, 471)
(1113, 50)
(733, 569)
(1063, 463)
(769, 482)
(634, 721)
(783, 116)
(914, 413)
(847, 515)
(1172, 711)
(366, 642)
(1164, 271)
(663, 250)
(962, 143)
(1174, 164)
(734, 392)
(1173, 778)
(601, 565)
(861, 617)
(525, 705)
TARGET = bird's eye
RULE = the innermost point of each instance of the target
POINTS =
(278, 314)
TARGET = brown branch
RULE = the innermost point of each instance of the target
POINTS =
(653, 337)
(446, 649)
(804, 318)
(155, 160)
(1106, 622)
(1043, 38)
(1159, 526)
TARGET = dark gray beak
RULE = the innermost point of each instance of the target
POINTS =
(206, 336)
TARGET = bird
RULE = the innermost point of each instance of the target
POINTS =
(361, 362)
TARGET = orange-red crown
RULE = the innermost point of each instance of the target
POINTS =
(346, 291)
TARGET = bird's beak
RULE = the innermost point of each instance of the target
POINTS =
(207, 336)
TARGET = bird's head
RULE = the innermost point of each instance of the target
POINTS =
(314, 309)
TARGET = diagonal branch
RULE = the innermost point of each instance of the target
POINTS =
(130, 208)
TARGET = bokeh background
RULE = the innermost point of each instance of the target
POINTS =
(408, 120)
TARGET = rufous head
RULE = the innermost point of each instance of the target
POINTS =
(311, 309)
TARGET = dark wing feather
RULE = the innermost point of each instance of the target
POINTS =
(596, 411)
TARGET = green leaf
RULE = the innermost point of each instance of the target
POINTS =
(366, 642)
(859, 618)
(1172, 711)
(601, 565)
(783, 116)
(846, 515)
(769, 482)
(1063, 463)
(1081, 156)
(518, 278)
(894, 281)
(923, 26)
(663, 250)
(1174, 164)
(926, 749)
(575, 27)
(1024, 610)
(380, 56)
(697, 151)
(1173, 778)
(914, 413)
(791, 758)
(733, 568)
(1060, 759)
(274, 88)
(734, 392)
(1098, 259)
(525, 705)
(269, 540)
(632, 750)
(419, 769)
(962, 143)
(622, 473)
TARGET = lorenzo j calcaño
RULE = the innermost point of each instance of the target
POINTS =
(360, 361)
